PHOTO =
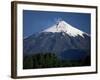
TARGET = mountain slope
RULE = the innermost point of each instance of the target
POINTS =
(57, 39)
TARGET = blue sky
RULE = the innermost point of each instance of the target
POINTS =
(36, 21)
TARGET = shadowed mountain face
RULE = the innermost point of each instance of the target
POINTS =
(62, 39)
(54, 42)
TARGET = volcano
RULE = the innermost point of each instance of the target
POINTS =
(66, 41)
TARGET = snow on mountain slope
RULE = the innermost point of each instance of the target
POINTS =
(63, 26)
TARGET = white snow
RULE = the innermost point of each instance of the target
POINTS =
(63, 26)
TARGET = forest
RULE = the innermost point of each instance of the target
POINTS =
(50, 60)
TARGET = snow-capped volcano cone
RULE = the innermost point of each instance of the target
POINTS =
(58, 39)
(63, 26)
